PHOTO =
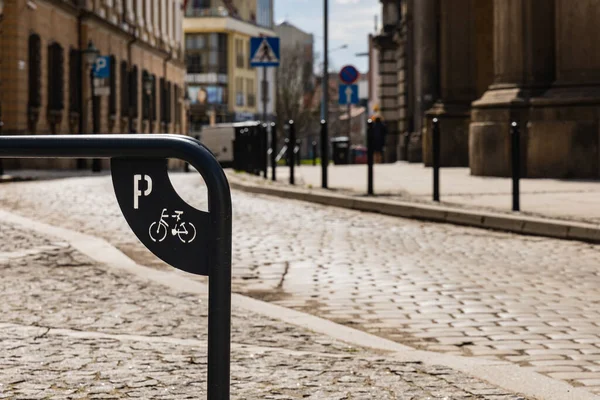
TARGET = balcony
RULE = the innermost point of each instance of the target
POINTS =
(207, 12)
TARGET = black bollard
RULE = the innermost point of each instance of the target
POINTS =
(264, 149)
(286, 155)
(256, 149)
(290, 150)
(436, 159)
(314, 152)
(324, 154)
(273, 151)
(370, 157)
(516, 164)
(299, 153)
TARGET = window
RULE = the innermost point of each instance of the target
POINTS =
(169, 103)
(211, 94)
(133, 92)
(148, 14)
(139, 12)
(247, 59)
(163, 106)
(239, 53)
(74, 81)
(177, 96)
(55, 78)
(112, 98)
(264, 13)
(206, 53)
(163, 18)
(239, 92)
(250, 89)
(145, 97)
(197, 8)
(124, 89)
(165, 101)
(35, 71)
(153, 102)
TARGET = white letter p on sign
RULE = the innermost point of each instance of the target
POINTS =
(137, 191)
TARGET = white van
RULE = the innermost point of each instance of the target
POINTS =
(219, 140)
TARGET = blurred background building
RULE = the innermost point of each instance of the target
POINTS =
(45, 73)
(296, 82)
(221, 84)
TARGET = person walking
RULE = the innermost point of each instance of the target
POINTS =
(379, 134)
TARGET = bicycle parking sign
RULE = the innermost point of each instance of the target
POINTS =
(170, 228)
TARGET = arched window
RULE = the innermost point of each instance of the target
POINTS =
(153, 108)
(133, 92)
(177, 105)
(112, 98)
(74, 82)
(169, 99)
(34, 81)
(55, 79)
(35, 71)
(163, 101)
(124, 89)
(145, 97)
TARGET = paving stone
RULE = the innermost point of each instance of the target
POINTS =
(73, 329)
(328, 261)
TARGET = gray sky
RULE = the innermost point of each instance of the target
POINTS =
(350, 21)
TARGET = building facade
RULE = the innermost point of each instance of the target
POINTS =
(479, 65)
(45, 82)
(221, 84)
(298, 44)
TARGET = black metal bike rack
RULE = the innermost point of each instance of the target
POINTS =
(144, 193)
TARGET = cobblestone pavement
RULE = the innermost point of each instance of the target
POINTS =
(532, 301)
(74, 330)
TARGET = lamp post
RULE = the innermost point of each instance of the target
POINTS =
(148, 85)
(90, 55)
(187, 102)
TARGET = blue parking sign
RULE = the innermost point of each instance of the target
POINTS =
(348, 94)
(102, 67)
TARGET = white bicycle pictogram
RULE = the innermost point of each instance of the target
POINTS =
(159, 230)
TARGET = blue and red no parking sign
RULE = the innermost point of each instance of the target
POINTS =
(349, 74)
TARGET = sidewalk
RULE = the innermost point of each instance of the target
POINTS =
(73, 328)
(561, 199)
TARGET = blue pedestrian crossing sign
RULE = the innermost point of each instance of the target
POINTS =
(102, 67)
(264, 52)
(348, 94)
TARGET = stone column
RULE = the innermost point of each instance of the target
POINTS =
(426, 71)
(523, 69)
(388, 87)
(403, 106)
(563, 140)
(458, 85)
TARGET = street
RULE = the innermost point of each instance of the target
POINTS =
(528, 300)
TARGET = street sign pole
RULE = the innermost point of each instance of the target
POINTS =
(325, 98)
(96, 163)
(200, 245)
(349, 122)
(264, 94)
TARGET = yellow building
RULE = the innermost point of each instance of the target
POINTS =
(44, 76)
(221, 85)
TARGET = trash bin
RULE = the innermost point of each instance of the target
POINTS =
(340, 148)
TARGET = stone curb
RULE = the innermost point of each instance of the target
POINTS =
(520, 224)
(509, 376)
